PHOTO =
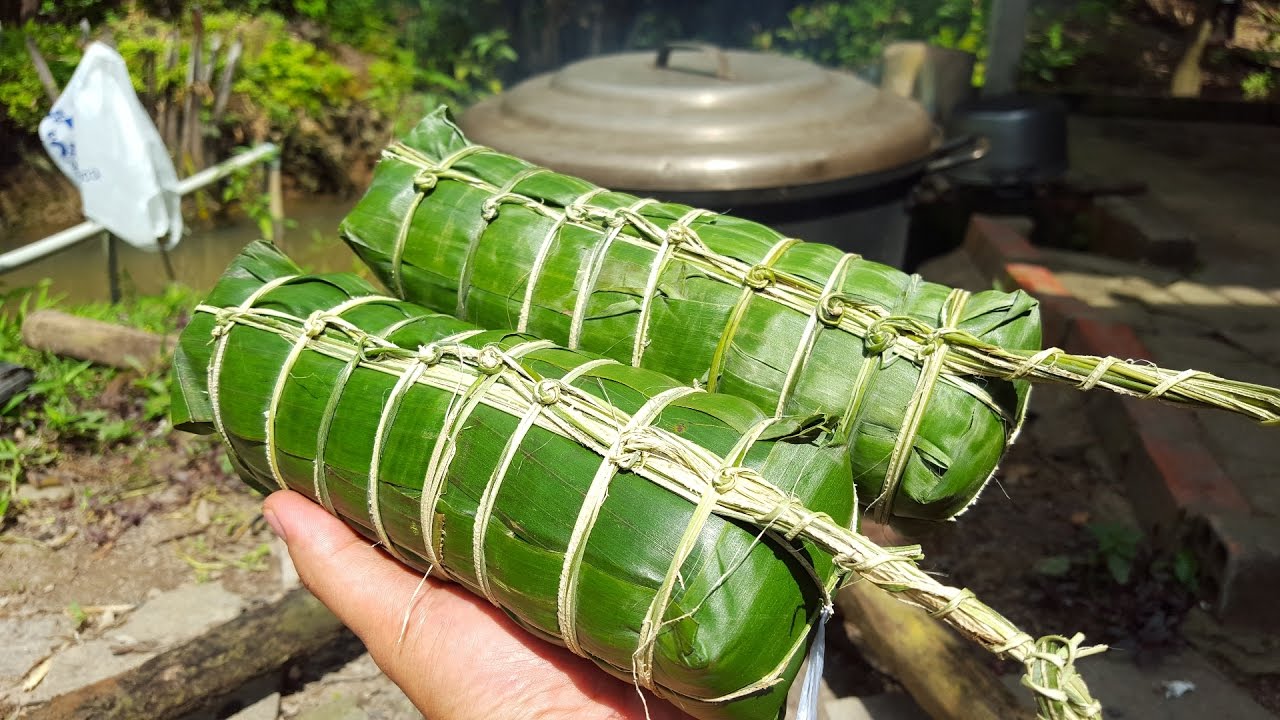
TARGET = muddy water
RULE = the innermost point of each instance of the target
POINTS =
(80, 274)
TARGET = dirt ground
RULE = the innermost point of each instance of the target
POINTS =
(1137, 48)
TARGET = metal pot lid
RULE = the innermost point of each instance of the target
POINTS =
(695, 117)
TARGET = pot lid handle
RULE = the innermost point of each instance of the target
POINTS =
(722, 60)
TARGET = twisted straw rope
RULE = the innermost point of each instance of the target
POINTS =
(692, 472)
(907, 337)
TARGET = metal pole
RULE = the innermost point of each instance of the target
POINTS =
(89, 229)
(275, 200)
(113, 265)
(1006, 37)
(55, 243)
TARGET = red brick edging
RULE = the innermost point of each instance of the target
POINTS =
(1177, 484)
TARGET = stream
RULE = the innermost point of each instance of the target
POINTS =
(80, 274)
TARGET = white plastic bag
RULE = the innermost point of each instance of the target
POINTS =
(99, 136)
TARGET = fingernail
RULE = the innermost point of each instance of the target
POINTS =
(274, 522)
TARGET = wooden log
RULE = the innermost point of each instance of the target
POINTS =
(187, 678)
(938, 668)
(99, 342)
(13, 380)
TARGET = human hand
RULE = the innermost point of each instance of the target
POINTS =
(460, 657)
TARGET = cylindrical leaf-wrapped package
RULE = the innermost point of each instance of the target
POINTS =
(684, 541)
(927, 383)
(703, 298)
(412, 425)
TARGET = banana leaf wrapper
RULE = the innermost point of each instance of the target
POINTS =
(704, 298)
(361, 402)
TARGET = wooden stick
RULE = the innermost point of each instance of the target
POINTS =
(100, 342)
(224, 82)
(42, 70)
(190, 141)
(170, 113)
(939, 669)
(185, 679)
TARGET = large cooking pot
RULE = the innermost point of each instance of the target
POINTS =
(816, 153)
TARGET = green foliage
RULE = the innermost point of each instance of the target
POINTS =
(470, 74)
(1060, 39)
(1258, 85)
(1049, 53)
(1116, 548)
(22, 97)
(853, 33)
(59, 407)
(291, 76)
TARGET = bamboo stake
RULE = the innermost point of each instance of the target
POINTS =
(189, 142)
(224, 82)
(42, 70)
(169, 113)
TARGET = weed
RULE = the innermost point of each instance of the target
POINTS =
(79, 618)
(1116, 548)
(1258, 86)
(59, 407)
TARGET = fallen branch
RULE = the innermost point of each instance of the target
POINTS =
(933, 664)
(185, 679)
(99, 342)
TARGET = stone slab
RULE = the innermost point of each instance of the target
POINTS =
(166, 619)
(27, 641)
(1130, 692)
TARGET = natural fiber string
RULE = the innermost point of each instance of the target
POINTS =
(672, 463)
(676, 234)
(540, 258)
(421, 361)
(650, 234)
(468, 259)
(583, 292)
(221, 334)
(969, 355)
(809, 337)
(642, 658)
(873, 359)
(402, 238)
(903, 445)
(385, 419)
(575, 549)
(492, 361)
(312, 327)
(489, 498)
(423, 182)
(320, 478)
(760, 276)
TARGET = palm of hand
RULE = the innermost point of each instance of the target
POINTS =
(459, 657)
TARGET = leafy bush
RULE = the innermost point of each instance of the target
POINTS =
(853, 33)
(1047, 54)
(60, 405)
(22, 97)
(290, 75)
(1258, 85)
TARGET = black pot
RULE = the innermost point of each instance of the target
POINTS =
(1027, 137)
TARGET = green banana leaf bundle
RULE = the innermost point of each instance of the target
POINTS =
(929, 384)
(684, 541)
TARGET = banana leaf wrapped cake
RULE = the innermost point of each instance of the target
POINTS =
(927, 383)
(684, 541)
